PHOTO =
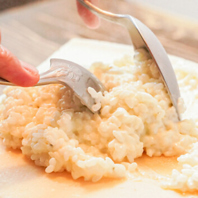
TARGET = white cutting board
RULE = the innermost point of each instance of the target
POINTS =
(20, 178)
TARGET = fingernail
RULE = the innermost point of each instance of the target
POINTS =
(2, 49)
(31, 69)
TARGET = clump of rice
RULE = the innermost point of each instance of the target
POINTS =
(51, 126)
(187, 178)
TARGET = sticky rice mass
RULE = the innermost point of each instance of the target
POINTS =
(52, 127)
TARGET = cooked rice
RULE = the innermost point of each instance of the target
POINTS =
(51, 126)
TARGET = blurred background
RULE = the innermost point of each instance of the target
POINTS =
(5, 4)
(184, 8)
(34, 29)
(187, 8)
(180, 7)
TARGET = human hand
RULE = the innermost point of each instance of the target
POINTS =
(21, 73)
(16, 71)
(91, 20)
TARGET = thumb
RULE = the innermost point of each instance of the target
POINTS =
(16, 71)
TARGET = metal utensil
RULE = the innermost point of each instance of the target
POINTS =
(71, 74)
(143, 37)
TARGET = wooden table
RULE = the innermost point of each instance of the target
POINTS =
(34, 31)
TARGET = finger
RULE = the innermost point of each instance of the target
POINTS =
(16, 71)
(90, 19)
